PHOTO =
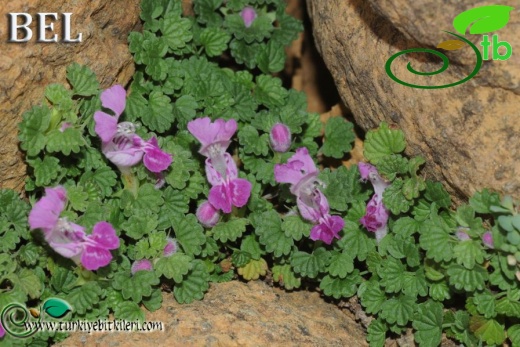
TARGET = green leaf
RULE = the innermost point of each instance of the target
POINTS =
(59, 97)
(159, 116)
(341, 287)
(205, 10)
(230, 230)
(268, 227)
(129, 311)
(62, 280)
(412, 187)
(468, 253)
(184, 109)
(310, 265)
(436, 193)
(394, 198)
(284, 275)
(251, 246)
(45, 171)
(508, 307)
(154, 301)
(491, 332)
(176, 31)
(194, 285)
(513, 332)
(339, 136)
(392, 274)
(392, 165)
(140, 224)
(341, 264)
(485, 303)
(26, 281)
(372, 297)
(215, 41)
(253, 270)
(428, 323)
(83, 298)
(356, 242)
(135, 286)
(56, 307)
(269, 91)
(437, 241)
(414, 283)
(398, 309)
(189, 234)
(295, 227)
(469, 280)
(65, 141)
(259, 30)
(485, 19)
(382, 142)
(82, 79)
(29, 253)
(271, 58)
(104, 178)
(482, 201)
(34, 123)
(252, 142)
(174, 267)
(377, 333)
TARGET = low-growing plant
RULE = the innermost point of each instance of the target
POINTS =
(206, 172)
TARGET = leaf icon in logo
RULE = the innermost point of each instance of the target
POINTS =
(56, 308)
(484, 19)
(451, 45)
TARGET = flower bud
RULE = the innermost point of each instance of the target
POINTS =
(461, 234)
(487, 239)
(280, 138)
(141, 265)
(207, 214)
(170, 248)
(248, 14)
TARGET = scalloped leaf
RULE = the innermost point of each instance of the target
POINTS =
(253, 270)
(310, 265)
(194, 285)
(284, 275)
(175, 266)
(383, 141)
(485, 19)
(341, 287)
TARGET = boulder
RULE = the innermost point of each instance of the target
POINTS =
(239, 314)
(469, 133)
(27, 68)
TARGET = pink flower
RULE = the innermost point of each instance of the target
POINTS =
(141, 265)
(120, 144)
(69, 239)
(280, 137)
(302, 174)
(462, 234)
(376, 216)
(215, 137)
(207, 215)
(2, 330)
(228, 190)
(248, 14)
(170, 248)
(487, 239)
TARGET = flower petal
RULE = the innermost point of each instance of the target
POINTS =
(154, 158)
(104, 235)
(114, 98)
(106, 126)
(93, 257)
(219, 198)
(46, 212)
(240, 190)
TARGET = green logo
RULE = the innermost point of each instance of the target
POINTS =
(19, 321)
(480, 20)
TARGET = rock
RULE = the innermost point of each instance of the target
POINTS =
(468, 133)
(26, 68)
(239, 314)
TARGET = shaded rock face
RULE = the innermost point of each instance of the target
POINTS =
(238, 314)
(470, 133)
(26, 68)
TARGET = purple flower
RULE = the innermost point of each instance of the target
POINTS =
(207, 215)
(376, 215)
(69, 239)
(248, 14)
(228, 190)
(462, 234)
(301, 173)
(2, 331)
(280, 137)
(120, 144)
(170, 248)
(141, 265)
(487, 239)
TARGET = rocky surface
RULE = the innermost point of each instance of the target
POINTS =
(26, 68)
(240, 314)
(469, 133)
